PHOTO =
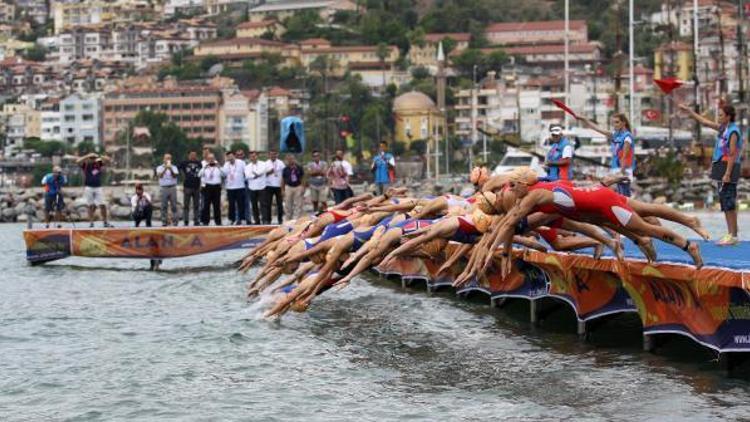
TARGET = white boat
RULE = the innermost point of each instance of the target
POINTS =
(516, 158)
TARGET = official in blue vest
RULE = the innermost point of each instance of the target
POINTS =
(559, 160)
(725, 164)
(623, 150)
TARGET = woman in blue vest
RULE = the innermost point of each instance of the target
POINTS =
(725, 164)
(623, 149)
(559, 160)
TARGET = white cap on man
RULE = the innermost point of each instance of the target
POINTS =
(555, 129)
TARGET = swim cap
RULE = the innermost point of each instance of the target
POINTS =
(486, 202)
(478, 176)
(481, 221)
(524, 175)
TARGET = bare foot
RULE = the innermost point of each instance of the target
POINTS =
(695, 252)
(598, 250)
(616, 247)
(646, 245)
(697, 227)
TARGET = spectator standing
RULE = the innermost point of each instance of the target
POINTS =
(234, 170)
(726, 164)
(559, 160)
(317, 181)
(291, 186)
(382, 166)
(211, 178)
(141, 207)
(92, 166)
(623, 150)
(167, 175)
(338, 176)
(191, 185)
(53, 198)
(274, 169)
(255, 174)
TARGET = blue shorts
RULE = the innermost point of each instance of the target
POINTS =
(727, 196)
(53, 203)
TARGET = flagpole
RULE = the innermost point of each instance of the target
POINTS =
(567, 59)
(631, 49)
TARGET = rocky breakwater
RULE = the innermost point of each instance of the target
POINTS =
(20, 205)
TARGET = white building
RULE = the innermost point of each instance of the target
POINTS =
(51, 125)
(81, 119)
(173, 6)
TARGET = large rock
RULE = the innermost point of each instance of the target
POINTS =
(120, 212)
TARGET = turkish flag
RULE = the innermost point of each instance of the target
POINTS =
(667, 85)
(561, 105)
(651, 114)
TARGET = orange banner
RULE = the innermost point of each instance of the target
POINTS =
(156, 242)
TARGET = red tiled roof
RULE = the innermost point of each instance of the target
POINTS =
(278, 91)
(575, 25)
(244, 41)
(456, 36)
(315, 41)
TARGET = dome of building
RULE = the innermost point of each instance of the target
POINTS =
(412, 101)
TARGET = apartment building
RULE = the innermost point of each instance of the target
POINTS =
(194, 108)
(283, 9)
(35, 9)
(66, 15)
(541, 32)
(137, 44)
(7, 12)
(80, 119)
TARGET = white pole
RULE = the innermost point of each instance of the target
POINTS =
(436, 138)
(631, 48)
(567, 62)
(484, 140)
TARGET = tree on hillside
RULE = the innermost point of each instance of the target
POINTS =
(166, 136)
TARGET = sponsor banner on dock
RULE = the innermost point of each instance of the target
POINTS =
(157, 242)
(710, 305)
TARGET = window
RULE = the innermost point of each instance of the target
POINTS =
(88, 117)
(69, 107)
(70, 118)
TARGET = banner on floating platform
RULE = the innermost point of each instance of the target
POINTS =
(714, 315)
(157, 242)
(710, 305)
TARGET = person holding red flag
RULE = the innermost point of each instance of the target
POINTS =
(623, 149)
(725, 164)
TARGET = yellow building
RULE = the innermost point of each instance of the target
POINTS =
(426, 54)
(417, 118)
(673, 59)
(238, 50)
(258, 29)
(343, 58)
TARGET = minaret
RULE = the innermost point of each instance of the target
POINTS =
(441, 108)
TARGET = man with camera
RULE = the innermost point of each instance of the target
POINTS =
(211, 178)
(53, 198)
(167, 175)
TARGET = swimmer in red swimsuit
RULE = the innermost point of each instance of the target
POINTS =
(596, 205)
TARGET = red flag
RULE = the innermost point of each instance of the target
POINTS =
(669, 84)
(561, 105)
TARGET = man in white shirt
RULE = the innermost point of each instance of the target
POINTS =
(255, 175)
(167, 175)
(274, 169)
(211, 178)
(234, 170)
